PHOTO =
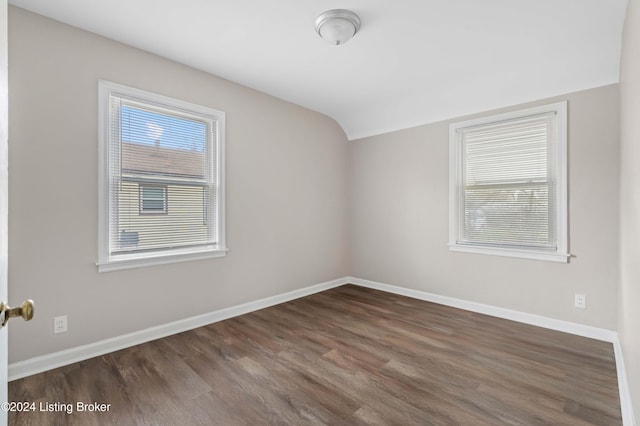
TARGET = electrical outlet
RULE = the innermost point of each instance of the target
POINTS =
(581, 301)
(60, 324)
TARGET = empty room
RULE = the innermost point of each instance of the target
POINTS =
(320, 212)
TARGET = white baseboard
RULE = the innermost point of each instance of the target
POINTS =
(28, 367)
(628, 418)
(494, 311)
(43, 363)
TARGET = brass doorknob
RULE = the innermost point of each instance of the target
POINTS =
(25, 311)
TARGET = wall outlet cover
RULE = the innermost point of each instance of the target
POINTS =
(580, 301)
(60, 324)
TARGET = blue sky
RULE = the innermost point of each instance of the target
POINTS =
(146, 127)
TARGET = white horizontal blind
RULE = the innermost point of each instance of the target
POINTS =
(508, 184)
(162, 188)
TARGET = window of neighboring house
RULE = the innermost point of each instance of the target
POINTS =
(161, 179)
(153, 199)
(508, 184)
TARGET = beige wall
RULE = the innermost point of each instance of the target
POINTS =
(286, 193)
(629, 301)
(399, 220)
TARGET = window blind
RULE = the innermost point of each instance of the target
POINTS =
(508, 183)
(162, 189)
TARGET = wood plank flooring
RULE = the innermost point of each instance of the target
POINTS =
(347, 356)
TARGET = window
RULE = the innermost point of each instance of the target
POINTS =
(508, 184)
(153, 199)
(161, 179)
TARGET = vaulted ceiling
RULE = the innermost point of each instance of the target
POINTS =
(413, 61)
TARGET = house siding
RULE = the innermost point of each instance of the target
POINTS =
(184, 221)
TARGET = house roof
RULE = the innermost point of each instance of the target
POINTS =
(149, 160)
(413, 61)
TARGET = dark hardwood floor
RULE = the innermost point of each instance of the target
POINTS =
(346, 356)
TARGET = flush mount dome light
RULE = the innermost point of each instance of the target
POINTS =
(337, 26)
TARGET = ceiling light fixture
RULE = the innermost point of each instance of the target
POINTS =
(337, 26)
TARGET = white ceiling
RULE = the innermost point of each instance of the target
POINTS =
(413, 61)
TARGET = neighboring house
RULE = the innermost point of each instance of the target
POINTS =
(162, 197)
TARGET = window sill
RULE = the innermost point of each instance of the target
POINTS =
(116, 263)
(525, 254)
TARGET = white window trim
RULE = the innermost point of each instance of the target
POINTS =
(106, 262)
(561, 254)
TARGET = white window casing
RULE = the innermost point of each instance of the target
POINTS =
(161, 179)
(508, 184)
